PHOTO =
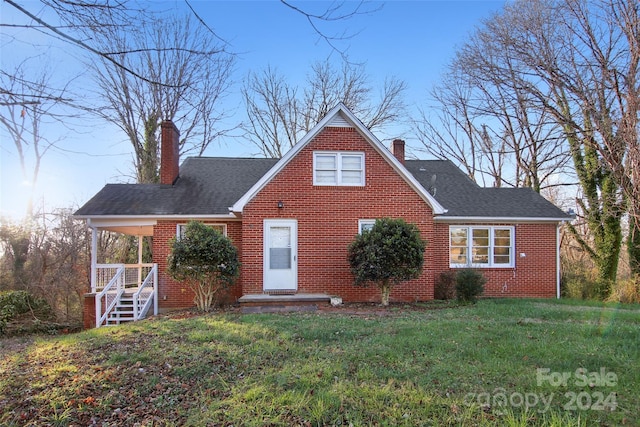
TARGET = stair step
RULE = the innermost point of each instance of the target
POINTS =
(120, 314)
(278, 308)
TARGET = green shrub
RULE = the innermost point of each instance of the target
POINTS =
(626, 291)
(206, 260)
(15, 303)
(585, 285)
(390, 253)
(445, 286)
(469, 285)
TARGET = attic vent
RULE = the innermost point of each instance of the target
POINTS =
(339, 121)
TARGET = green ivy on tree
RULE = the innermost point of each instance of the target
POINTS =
(206, 260)
(389, 253)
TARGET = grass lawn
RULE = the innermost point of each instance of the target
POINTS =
(500, 362)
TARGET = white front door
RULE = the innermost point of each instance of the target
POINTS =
(280, 255)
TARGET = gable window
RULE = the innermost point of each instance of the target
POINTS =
(479, 246)
(338, 168)
(365, 225)
(222, 228)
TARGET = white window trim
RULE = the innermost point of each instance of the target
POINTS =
(180, 226)
(363, 222)
(492, 230)
(339, 155)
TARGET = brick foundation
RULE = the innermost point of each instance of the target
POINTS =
(89, 311)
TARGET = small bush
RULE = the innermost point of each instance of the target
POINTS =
(626, 291)
(16, 303)
(579, 288)
(445, 286)
(469, 285)
(585, 285)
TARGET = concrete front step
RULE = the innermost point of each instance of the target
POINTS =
(265, 303)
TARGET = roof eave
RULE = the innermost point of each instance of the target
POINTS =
(154, 217)
(453, 219)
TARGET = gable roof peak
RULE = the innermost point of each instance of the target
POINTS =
(345, 117)
(339, 120)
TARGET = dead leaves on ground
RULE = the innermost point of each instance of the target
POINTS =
(134, 378)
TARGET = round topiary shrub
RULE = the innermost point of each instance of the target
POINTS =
(469, 285)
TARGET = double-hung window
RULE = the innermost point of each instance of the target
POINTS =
(222, 228)
(365, 225)
(338, 168)
(481, 246)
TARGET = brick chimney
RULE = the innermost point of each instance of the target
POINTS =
(397, 148)
(169, 153)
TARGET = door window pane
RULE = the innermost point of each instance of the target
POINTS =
(280, 248)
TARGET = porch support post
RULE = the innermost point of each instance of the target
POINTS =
(94, 258)
(156, 285)
(140, 244)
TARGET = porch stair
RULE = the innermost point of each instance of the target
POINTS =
(123, 311)
(274, 303)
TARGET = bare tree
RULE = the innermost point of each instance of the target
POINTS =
(337, 11)
(451, 130)
(167, 49)
(278, 114)
(55, 266)
(489, 124)
(272, 112)
(27, 105)
(587, 55)
(576, 65)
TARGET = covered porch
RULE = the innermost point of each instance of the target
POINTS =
(120, 292)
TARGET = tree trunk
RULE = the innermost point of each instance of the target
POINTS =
(633, 246)
(386, 289)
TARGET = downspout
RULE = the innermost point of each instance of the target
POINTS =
(558, 260)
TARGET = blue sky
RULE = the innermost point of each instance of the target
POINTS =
(411, 40)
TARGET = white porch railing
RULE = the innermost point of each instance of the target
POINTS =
(146, 294)
(109, 296)
(134, 274)
(112, 280)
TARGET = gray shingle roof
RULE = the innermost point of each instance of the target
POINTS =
(206, 186)
(464, 198)
(210, 185)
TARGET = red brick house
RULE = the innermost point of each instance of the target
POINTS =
(293, 218)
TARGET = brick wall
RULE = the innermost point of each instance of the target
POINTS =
(172, 294)
(327, 218)
(534, 275)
